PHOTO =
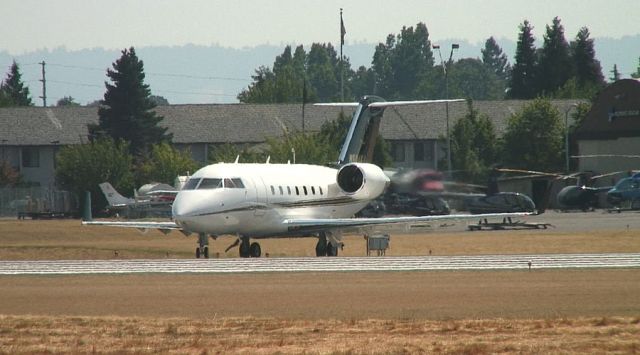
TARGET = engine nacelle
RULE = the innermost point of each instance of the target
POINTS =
(362, 181)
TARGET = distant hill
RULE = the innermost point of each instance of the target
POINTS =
(214, 74)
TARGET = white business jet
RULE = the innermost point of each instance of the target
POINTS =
(257, 201)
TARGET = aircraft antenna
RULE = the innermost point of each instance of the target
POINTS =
(237, 159)
(268, 159)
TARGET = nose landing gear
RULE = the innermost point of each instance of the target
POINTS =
(203, 246)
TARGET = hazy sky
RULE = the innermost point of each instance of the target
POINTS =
(28, 25)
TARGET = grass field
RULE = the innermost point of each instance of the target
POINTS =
(468, 312)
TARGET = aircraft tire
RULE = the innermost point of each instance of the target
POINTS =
(321, 247)
(332, 250)
(245, 250)
(206, 252)
(198, 253)
(254, 250)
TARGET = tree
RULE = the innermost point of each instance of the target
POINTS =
(615, 74)
(522, 84)
(164, 164)
(126, 110)
(494, 58)
(67, 101)
(159, 100)
(473, 145)
(470, 78)
(554, 65)
(13, 92)
(9, 177)
(82, 167)
(403, 62)
(587, 68)
(636, 75)
(534, 138)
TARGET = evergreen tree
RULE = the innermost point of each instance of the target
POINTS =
(522, 84)
(126, 110)
(615, 74)
(494, 58)
(587, 68)
(554, 66)
(13, 92)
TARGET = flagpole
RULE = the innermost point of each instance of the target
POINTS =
(342, 33)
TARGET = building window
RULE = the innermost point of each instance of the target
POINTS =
(30, 157)
(418, 151)
(397, 151)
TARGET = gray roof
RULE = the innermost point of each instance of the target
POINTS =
(243, 123)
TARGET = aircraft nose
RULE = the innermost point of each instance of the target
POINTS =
(180, 206)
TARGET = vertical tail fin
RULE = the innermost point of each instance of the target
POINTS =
(365, 125)
(113, 197)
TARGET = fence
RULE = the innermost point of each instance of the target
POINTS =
(15, 201)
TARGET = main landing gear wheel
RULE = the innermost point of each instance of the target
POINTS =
(321, 246)
(244, 249)
(204, 252)
(254, 250)
(332, 250)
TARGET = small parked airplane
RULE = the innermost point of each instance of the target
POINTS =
(257, 201)
(147, 195)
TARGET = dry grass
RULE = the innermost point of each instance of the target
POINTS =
(355, 336)
(543, 311)
(67, 239)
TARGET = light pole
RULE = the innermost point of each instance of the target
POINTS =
(446, 96)
(566, 137)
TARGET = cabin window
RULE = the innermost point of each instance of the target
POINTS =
(313, 190)
(305, 190)
(320, 187)
(273, 190)
(191, 184)
(297, 191)
(210, 183)
(289, 190)
(281, 191)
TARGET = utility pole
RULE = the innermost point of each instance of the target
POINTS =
(44, 85)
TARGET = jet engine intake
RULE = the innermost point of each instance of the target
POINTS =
(362, 180)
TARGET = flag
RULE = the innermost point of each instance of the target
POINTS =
(342, 30)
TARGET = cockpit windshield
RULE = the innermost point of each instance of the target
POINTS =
(191, 184)
(210, 183)
(215, 183)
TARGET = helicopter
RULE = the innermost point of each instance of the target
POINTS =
(626, 190)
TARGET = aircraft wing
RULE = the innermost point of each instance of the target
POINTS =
(163, 226)
(318, 224)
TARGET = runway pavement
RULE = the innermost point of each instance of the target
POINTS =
(328, 264)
